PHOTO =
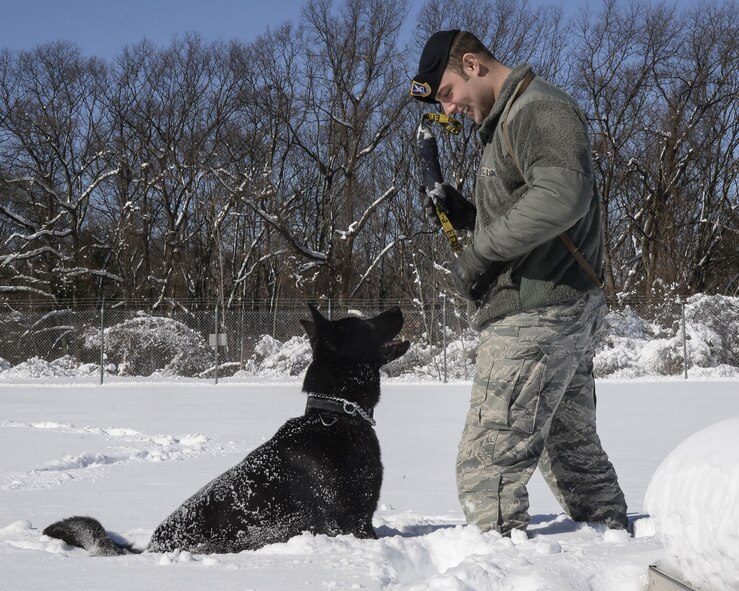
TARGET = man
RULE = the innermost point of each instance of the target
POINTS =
(537, 308)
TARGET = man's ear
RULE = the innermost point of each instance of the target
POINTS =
(471, 64)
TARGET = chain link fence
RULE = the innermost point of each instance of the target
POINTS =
(254, 341)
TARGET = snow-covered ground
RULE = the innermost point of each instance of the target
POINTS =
(130, 453)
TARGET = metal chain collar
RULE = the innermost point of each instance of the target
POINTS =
(349, 407)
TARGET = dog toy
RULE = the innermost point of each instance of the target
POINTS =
(431, 177)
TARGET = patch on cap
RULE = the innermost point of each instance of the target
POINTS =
(420, 89)
(431, 66)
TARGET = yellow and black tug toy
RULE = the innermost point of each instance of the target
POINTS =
(431, 177)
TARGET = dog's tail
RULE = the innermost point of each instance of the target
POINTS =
(88, 533)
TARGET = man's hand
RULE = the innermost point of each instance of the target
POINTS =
(468, 269)
(460, 211)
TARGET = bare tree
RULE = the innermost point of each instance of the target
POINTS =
(285, 167)
(331, 92)
(170, 110)
(611, 81)
(56, 153)
(708, 253)
(661, 91)
(691, 83)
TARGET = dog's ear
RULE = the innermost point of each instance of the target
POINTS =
(314, 328)
(318, 319)
(310, 328)
(388, 323)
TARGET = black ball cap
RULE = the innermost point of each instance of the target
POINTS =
(431, 66)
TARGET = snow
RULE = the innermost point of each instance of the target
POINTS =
(163, 348)
(129, 453)
(694, 502)
(633, 347)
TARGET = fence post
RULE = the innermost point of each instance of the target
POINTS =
(443, 331)
(216, 339)
(241, 336)
(685, 341)
(102, 341)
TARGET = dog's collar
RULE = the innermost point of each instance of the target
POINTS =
(338, 405)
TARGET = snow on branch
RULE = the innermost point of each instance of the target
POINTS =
(18, 256)
(378, 258)
(40, 233)
(25, 289)
(17, 218)
(81, 271)
(356, 227)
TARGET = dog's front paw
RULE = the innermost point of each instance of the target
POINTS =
(367, 532)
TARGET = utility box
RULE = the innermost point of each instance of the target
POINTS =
(217, 340)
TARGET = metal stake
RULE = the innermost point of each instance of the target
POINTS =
(685, 342)
(102, 341)
(216, 331)
(443, 314)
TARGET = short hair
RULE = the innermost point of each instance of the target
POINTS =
(465, 42)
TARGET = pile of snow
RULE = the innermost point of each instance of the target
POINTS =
(713, 330)
(146, 344)
(630, 346)
(64, 367)
(424, 361)
(275, 358)
(693, 499)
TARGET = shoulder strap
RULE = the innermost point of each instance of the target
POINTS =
(522, 86)
(566, 240)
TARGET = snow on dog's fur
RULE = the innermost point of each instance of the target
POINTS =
(320, 473)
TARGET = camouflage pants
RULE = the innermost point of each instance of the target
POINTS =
(533, 402)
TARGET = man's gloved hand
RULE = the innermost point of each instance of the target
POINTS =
(467, 270)
(460, 211)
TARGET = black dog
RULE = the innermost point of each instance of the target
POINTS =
(320, 473)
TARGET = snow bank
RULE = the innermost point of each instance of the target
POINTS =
(630, 346)
(633, 347)
(64, 367)
(694, 501)
(272, 358)
(145, 344)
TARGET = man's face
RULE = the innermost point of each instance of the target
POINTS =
(467, 96)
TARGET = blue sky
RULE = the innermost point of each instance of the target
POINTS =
(103, 27)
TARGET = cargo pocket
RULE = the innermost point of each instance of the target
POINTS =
(513, 391)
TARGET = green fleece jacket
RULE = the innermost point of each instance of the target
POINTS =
(519, 219)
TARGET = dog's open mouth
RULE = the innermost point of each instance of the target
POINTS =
(394, 349)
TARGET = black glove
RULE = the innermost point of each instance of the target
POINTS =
(460, 211)
(468, 270)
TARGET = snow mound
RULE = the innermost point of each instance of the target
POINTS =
(631, 347)
(646, 340)
(713, 330)
(272, 358)
(694, 500)
(146, 344)
(64, 367)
